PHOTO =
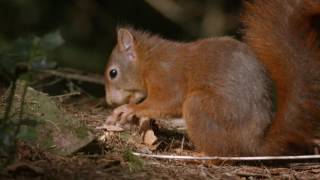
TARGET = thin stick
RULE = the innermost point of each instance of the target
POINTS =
(182, 143)
(98, 79)
(9, 101)
(66, 95)
(22, 103)
(255, 158)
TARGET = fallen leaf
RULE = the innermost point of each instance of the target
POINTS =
(149, 137)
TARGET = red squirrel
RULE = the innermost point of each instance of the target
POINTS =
(224, 88)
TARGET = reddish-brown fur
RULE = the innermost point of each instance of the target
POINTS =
(290, 53)
(223, 88)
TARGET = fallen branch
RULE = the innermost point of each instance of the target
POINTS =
(255, 158)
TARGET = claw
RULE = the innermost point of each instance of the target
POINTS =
(121, 115)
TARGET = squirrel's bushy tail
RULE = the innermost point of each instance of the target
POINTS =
(283, 34)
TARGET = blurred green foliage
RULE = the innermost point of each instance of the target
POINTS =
(28, 54)
(20, 61)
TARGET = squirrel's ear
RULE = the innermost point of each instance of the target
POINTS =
(126, 43)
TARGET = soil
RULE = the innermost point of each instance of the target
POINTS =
(110, 157)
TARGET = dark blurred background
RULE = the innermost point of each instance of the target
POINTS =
(88, 26)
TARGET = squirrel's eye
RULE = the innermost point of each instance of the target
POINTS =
(113, 73)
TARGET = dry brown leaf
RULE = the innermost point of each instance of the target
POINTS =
(149, 137)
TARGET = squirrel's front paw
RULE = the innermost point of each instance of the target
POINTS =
(121, 115)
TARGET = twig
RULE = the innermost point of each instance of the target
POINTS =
(18, 126)
(66, 95)
(22, 103)
(48, 84)
(9, 100)
(97, 79)
(254, 158)
(171, 143)
(182, 143)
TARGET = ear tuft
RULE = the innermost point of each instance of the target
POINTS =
(125, 40)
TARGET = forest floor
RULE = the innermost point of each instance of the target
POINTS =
(110, 157)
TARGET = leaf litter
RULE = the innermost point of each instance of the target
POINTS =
(111, 157)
